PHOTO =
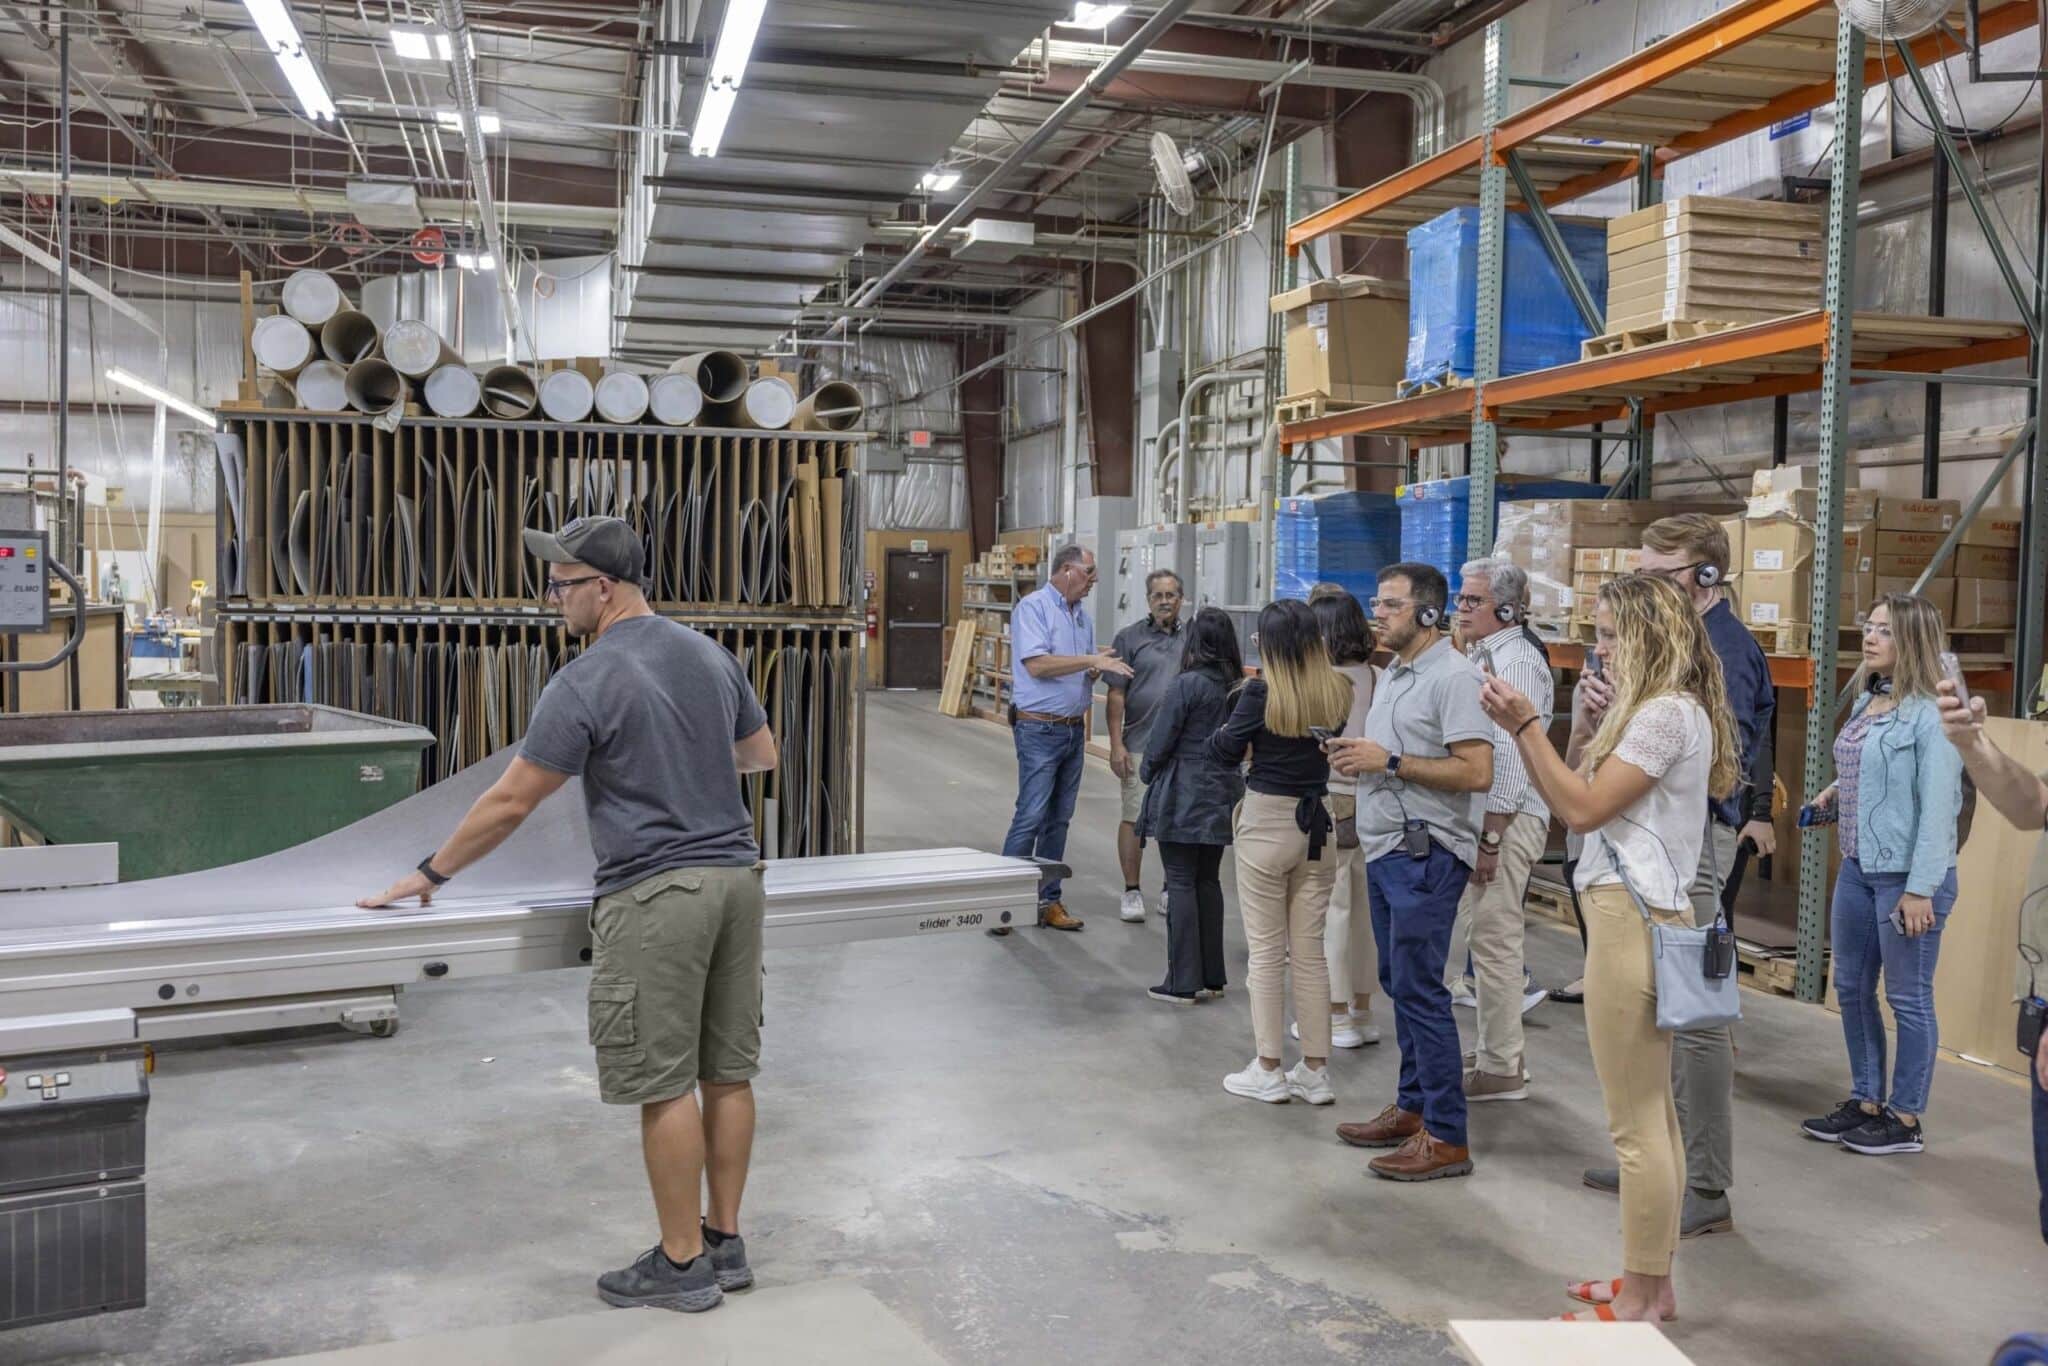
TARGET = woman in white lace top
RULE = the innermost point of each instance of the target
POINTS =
(1635, 788)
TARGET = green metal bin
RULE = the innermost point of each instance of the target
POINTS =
(189, 788)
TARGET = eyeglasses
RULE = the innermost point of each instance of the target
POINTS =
(1471, 602)
(1878, 629)
(1386, 606)
(556, 587)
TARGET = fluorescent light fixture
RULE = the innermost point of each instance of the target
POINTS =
(169, 400)
(281, 35)
(941, 181)
(484, 261)
(713, 113)
(451, 119)
(1094, 16)
(736, 34)
(413, 44)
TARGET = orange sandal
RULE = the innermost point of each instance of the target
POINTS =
(1594, 1292)
(1599, 1313)
(1602, 1310)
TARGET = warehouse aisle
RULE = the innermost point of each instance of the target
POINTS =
(1017, 1157)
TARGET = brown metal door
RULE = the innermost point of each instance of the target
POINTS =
(914, 630)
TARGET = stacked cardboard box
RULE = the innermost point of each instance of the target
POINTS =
(1705, 259)
(1987, 569)
(1591, 569)
(1346, 338)
(1567, 544)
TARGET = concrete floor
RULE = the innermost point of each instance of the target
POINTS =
(1014, 1156)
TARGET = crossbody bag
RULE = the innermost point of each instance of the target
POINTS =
(1695, 968)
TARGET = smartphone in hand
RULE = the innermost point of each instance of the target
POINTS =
(1322, 735)
(1952, 670)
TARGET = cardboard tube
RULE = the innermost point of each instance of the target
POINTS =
(322, 387)
(834, 406)
(622, 397)
(282, 344)
(312, 296)
(566, 395)
(348, 337)
(415, 349)
(453, 391)
(509, 392)
(768, 405)
(722, 375)
(374, 387)
(675, 400)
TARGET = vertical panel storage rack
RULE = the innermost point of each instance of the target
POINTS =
(382, 571)
(1751, 65)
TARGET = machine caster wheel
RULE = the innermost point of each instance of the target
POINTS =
(383, 1029)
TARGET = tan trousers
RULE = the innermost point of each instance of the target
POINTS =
(1490, 924)
(1284, 898)
(1348, 946)
(1633, 1060)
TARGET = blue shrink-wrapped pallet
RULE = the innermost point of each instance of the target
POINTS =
(1436, 515)
(1539, 325)
(1340, 538)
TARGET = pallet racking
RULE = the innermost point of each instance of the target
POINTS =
(1751, 65)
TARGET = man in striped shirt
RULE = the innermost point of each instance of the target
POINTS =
(1492, 607)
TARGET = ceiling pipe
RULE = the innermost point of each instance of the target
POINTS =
(463, 72)
(1153, 28)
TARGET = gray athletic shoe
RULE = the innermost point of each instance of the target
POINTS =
(656, 1283)
(729, 1260)
(1603, 1179)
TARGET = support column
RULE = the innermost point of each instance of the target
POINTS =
(1493, 203)
(1109, 363)
(981, 436)
(1839, 299)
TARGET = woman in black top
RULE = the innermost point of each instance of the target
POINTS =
(1281, 835)
(1189, 797)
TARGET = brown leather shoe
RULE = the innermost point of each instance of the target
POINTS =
(1053, 916)
(1389, 1128)
(1422, 1158)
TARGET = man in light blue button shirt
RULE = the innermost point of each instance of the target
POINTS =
(1054, 664)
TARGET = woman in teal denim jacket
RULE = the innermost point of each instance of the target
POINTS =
(1897, 794)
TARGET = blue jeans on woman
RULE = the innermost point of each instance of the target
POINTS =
(1865, 941)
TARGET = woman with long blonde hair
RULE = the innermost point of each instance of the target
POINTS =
(1897, 792)
(1286, 861)
(1636, 788)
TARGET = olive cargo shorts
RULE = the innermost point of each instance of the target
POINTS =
(675, 986)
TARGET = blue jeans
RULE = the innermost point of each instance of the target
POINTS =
(2041, 1147)
(1414, 901)
(1864, 942)
(1048, 779)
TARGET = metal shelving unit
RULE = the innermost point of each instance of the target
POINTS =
(1751, 65)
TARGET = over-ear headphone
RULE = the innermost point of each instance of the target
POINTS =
(1505, 613)
(1427, 616)
(1707, 575)
(1878, 685)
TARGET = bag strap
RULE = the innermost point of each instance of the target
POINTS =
(1628, 884)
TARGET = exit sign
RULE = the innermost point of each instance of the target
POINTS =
(920, 440)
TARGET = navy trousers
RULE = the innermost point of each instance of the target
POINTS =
(1414, 901)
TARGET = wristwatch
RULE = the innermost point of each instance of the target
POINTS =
(1394, 764)
(427, 871)
(1489, 840)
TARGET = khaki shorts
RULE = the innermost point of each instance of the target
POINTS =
(675, 986)
(1134, 790)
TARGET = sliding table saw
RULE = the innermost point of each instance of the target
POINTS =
(90, 975)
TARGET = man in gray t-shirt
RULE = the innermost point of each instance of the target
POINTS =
(659, 722)
(1152, 646)
(1423, 767)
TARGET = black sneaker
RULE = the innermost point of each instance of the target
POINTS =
(1829, 1128)
(1172, 998)
(1884, 1133)
(657, 1283)
(729, 1260)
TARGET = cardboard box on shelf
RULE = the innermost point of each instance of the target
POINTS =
(1985, 562)
(1859, 590)
(1896, 553)
(1994, 526)
(1777, 545)
(1346, 337)
(1772, 597)
(1985, 605)
(1803, 505)
(1735, 529)
(1916, 514)
(1940, 592)
(1609, 560)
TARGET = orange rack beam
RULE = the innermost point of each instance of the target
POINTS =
(1795, 671)
(1753, 64)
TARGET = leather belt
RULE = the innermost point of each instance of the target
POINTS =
(1049, 717)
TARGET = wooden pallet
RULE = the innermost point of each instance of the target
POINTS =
(1551, 900)
(1769, 973)
(1636, 338)
(1309, 407)
(1581, 632)
(1435, 386)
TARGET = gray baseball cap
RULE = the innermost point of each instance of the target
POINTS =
(607, 544)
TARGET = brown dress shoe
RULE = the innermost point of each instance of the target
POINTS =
(1389, 1128)
(1053, 916)
(1422, 1158)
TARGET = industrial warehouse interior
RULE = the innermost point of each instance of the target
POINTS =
(942, 682)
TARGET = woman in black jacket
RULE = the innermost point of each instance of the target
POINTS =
(1189, 797)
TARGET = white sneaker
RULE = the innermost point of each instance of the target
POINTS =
(1133, 908)
(1345, 1031)
(1463, 995)
(1367, 1028)
(1162, 901)
(1313, 1087)
(1256, 1083)
(1533, 997)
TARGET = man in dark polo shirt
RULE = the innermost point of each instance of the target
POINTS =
(1152, 647)
(659, 721)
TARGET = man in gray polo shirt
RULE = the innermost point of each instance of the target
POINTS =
(1152, 647)
(1423, 765)
(659, 721)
